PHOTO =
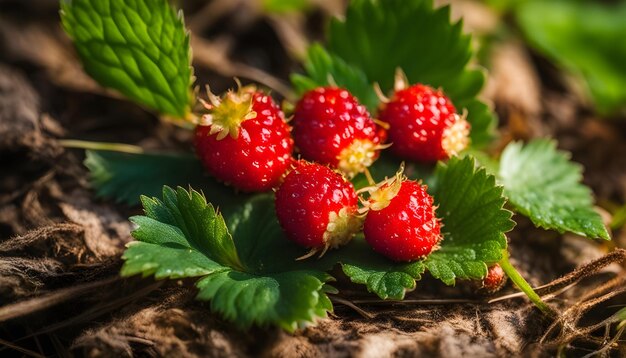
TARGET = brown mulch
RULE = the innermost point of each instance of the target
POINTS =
(60, 248)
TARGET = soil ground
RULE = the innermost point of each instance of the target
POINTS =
(60, 248)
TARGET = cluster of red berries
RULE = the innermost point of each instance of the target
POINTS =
(245, 141)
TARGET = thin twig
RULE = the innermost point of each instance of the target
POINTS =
(607, 346)
(568, 281)
(114, 147)
(350, 304)
(578, 310)
(522, 294)
(39, 303)
(418, 302)
(23, 350)
(98, 310)
(619, 255)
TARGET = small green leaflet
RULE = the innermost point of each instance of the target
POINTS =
(544, 185)
(470, 205)
(181, 235)
(138, 47)
(377, 36)
(185, 221)
(584, 37)
(387, 279)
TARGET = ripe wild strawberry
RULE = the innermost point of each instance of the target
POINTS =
(495, 279)
(244, 140)
(401, 222)
(317, 207)
(331, 127)
(423, 123)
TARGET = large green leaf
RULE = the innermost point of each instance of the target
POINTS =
(251, 278)
(138, 47)
(470, 205)
(544, 185)
(586, 38)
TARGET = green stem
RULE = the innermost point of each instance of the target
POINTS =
(523, 285)
(114, 147)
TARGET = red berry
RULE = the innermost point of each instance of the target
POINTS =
(401, 222)
(244, 140)
(495, 279)
(332, 128)
(317, 207)
(423, 124)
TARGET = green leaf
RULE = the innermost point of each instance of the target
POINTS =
(323, 68)
(381, 276)
(470, 205)
(377, 36)
(125, 177)
(138, 47)
(184, 220)
(252, 279)
(544, 185)
(166, 261)
(285, 298)
(586, 38)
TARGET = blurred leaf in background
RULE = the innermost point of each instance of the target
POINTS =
(586, 38)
